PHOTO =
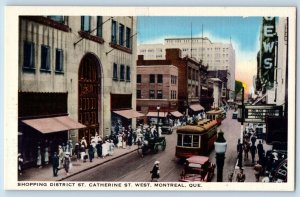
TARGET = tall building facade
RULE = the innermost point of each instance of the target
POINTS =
(75, 66)
(219, 56)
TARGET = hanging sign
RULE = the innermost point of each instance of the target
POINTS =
(267, 52)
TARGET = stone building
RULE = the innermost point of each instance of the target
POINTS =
(77, 67)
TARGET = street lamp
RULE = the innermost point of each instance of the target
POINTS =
(220, 148)
(157, 108)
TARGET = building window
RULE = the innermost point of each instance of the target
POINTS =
(151, 94)
(86, 23)
(45, 57)
(28, 61)
(128, 39)
(128, 73)
(59, 60)
(114, 32)
(138, 94)
(159, 78)
(115, 72)
(139, 78)
(121, 34)
(159, 94)
(152, 78)
(59, 19)
(122, 72)
(99, 26)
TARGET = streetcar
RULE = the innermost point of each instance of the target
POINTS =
(216, 114)
(196, 139)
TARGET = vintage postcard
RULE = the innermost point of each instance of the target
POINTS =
(150, 98)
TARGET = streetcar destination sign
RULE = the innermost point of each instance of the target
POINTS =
(260, 112)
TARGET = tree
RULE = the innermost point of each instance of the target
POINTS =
(238, 86)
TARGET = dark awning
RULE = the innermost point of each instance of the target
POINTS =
(129, 113)
(196, 107)
(53, 124)
(177, 114)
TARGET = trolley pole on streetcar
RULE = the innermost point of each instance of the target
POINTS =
(220, 148)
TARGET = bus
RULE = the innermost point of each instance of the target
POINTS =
(196, 139)
(216, 114)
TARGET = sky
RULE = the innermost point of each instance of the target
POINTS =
(243, 32)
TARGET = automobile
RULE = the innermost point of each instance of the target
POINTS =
(235, 115)
(166, 129)
(197, 169)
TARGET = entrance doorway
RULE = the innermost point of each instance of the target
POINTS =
(89, 89)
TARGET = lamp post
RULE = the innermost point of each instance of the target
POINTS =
(220, 148)
(157, 108)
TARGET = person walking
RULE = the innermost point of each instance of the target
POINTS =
(67, 162)
(241, 177)
(260, 151)
(257, 171)
(61, 156)
(20, 164)
(253, 152)
(55, 164)
(99, 149)
(91, 152)
(39, 157)
(155, 171)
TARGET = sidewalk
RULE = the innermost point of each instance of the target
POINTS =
(46, 173)
(248, 166)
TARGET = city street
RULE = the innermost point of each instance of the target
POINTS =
(133, 168)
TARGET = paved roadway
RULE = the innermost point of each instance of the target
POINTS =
(133, 168)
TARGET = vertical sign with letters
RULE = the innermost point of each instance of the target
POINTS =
(267, 52)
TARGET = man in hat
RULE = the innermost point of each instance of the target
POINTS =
(241, 177)
(155, 171)
(55, 164)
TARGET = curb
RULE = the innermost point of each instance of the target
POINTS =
(91, 167)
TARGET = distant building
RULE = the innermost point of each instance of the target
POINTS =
(188, 80)
(219, 56)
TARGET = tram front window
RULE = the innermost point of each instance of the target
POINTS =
(187, 140)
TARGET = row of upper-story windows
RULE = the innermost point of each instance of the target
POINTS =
(45, 55)
(121, 72)
(152, 77)
(159, 94)
(120, 34)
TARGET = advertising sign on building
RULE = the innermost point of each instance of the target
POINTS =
(267, 52)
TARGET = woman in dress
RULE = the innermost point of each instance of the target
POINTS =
(155, 171)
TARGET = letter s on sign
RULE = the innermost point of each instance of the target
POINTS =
(268, 63)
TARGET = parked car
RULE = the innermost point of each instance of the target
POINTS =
(197, 169)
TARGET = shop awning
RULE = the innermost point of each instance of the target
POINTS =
(177, 114)
(196, 107)
(129, 113)
(53, 124)
(154, 114)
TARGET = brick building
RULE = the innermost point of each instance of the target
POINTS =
(188, 82)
